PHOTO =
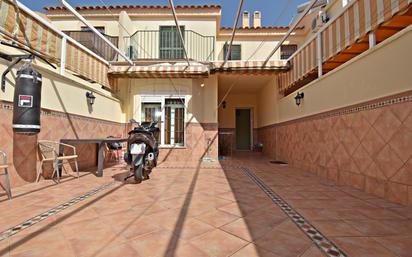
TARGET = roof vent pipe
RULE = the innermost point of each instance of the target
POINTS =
(257, 19)
(245, 20)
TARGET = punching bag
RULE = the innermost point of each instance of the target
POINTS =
(27, 101)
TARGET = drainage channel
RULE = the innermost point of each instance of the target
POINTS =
(53, 211)
(323, 243)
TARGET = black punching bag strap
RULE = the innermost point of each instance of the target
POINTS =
(27, 71)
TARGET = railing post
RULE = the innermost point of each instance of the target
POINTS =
(63, 56)
(372, 39)
(319, 56)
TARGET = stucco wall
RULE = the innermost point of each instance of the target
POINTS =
(267, 101)
(378, 72)
(71, 23)
(353, 127)
(200, 95)
(251, 47)
(65, 114)
(227, 116)
(67, 93)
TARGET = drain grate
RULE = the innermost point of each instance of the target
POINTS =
(323, 243)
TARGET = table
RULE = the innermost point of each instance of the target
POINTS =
(100, 142)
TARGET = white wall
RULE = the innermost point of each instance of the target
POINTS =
(66, 93)
(200, 96)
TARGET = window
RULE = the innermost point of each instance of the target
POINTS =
(152, 112)
(170, 44)
(172, 112)
(287, 50)
(235, 52)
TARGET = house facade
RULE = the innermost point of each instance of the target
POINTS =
(185, 98)
(350, 60)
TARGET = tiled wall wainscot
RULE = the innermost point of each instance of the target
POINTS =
(367, 146)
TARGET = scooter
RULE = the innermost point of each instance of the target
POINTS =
(142, 150)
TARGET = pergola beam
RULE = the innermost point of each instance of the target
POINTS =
(291, 29)
(182, 41)
(229, 49)
(85, 22)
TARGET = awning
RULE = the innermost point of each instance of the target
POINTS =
(342, 33)
(43, 38)
(163, 70)
(250, 66)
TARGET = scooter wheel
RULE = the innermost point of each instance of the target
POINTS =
(138, 174)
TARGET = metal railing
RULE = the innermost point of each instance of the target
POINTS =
(95, 43)
(158, 44)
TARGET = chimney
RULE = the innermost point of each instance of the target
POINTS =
(245, 20)
(257, 19)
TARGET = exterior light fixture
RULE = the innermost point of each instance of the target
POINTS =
(299, 97)
(224, 104)
(90, 98)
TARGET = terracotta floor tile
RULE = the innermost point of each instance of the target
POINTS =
(160, 217)
(378, 228)
(218, 243)
(186, 250)
(399, 245)
(94, 242)
(283, 244)
(156, 244)
(217, 218)
(405, 212)
(379, 213)
(239, 209)
(136, 228)
(313, 251)
(34, 241)
(123, 250)
(45, 252)
(336, 228)
(190, 228)
(252, 250)
(249, 231)
(362, 247)
(5, 247)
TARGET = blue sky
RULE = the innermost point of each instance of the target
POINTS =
(271, 9)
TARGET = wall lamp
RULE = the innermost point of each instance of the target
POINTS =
(90, 98)
(299, 97)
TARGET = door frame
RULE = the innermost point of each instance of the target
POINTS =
(251, 127)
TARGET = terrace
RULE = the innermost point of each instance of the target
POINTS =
(164, 44)
(248, 164)
(225, 209)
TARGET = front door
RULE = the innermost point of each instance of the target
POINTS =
(243, 129)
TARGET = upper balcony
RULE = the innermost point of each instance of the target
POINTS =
(93, 42)
(165, 44)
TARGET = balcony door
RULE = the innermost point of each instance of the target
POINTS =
(170, 46)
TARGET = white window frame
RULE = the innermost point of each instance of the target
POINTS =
(162, 100)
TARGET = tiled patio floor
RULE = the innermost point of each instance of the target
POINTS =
(213, 210)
